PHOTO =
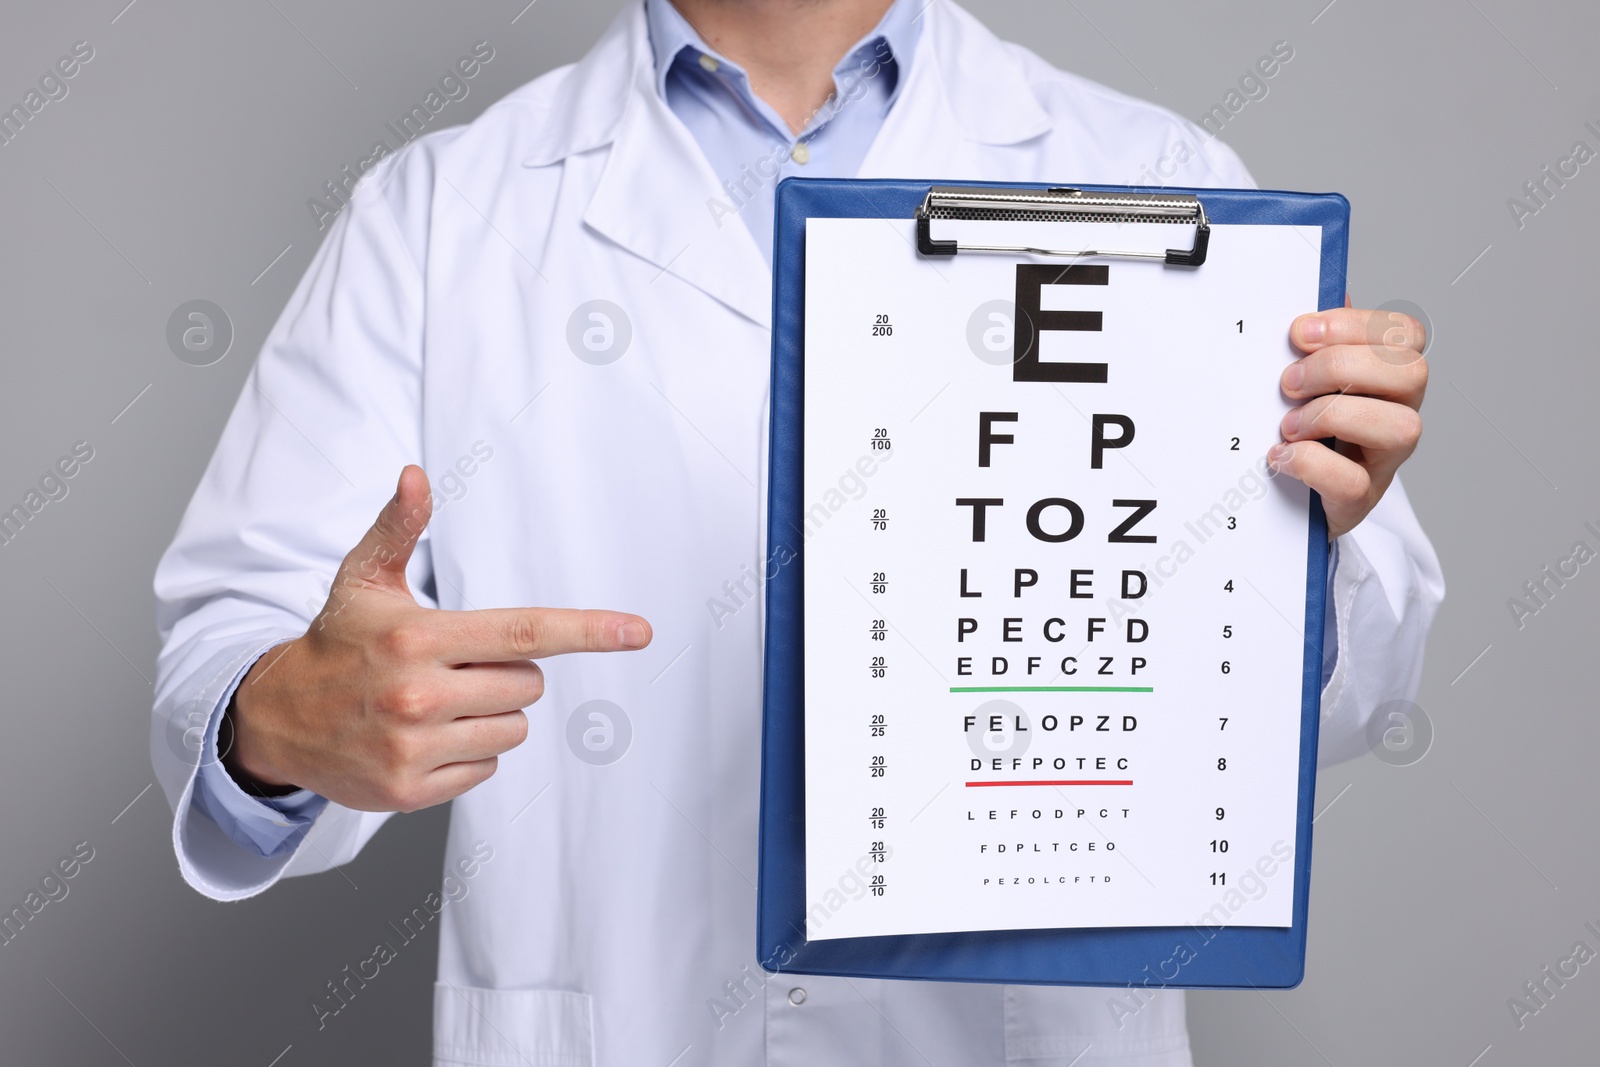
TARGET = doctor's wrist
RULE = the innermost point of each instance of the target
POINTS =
(247, 775)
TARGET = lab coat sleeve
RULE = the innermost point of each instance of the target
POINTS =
(1386, 590)
(328, 416)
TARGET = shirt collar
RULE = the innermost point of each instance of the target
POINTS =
(671, 33)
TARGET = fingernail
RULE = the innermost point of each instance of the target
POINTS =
(1291, 423)
(633, 635)
(1293, 376)
(1313, 329)
(1278, 455)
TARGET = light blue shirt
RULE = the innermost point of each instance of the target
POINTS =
(748, 145)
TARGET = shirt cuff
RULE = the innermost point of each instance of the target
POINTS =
(268, 826)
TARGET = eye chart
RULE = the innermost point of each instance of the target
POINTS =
(1054, 598)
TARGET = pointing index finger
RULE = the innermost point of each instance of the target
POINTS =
(501, 634)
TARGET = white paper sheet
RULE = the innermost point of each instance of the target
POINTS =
(1141, 717)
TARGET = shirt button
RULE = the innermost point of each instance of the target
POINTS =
(709, 63)
(800, 153)
(797, 996)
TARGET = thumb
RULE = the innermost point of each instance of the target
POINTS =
(380, 558)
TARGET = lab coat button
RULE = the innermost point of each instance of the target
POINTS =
(797, 996)
(709, 63)
(800, 153)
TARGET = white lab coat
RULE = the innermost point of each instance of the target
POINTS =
(618, 910)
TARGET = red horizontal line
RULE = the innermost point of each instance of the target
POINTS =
(1127, 781)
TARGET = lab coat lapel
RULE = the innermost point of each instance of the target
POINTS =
(965, 90)
(659, 198)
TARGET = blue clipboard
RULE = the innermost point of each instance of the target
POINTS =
(1148, 957)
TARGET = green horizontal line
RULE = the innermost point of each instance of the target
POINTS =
(1052, 689)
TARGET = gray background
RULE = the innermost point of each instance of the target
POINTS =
(178, 167)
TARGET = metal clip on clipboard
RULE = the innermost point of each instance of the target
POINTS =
(1061, 205)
